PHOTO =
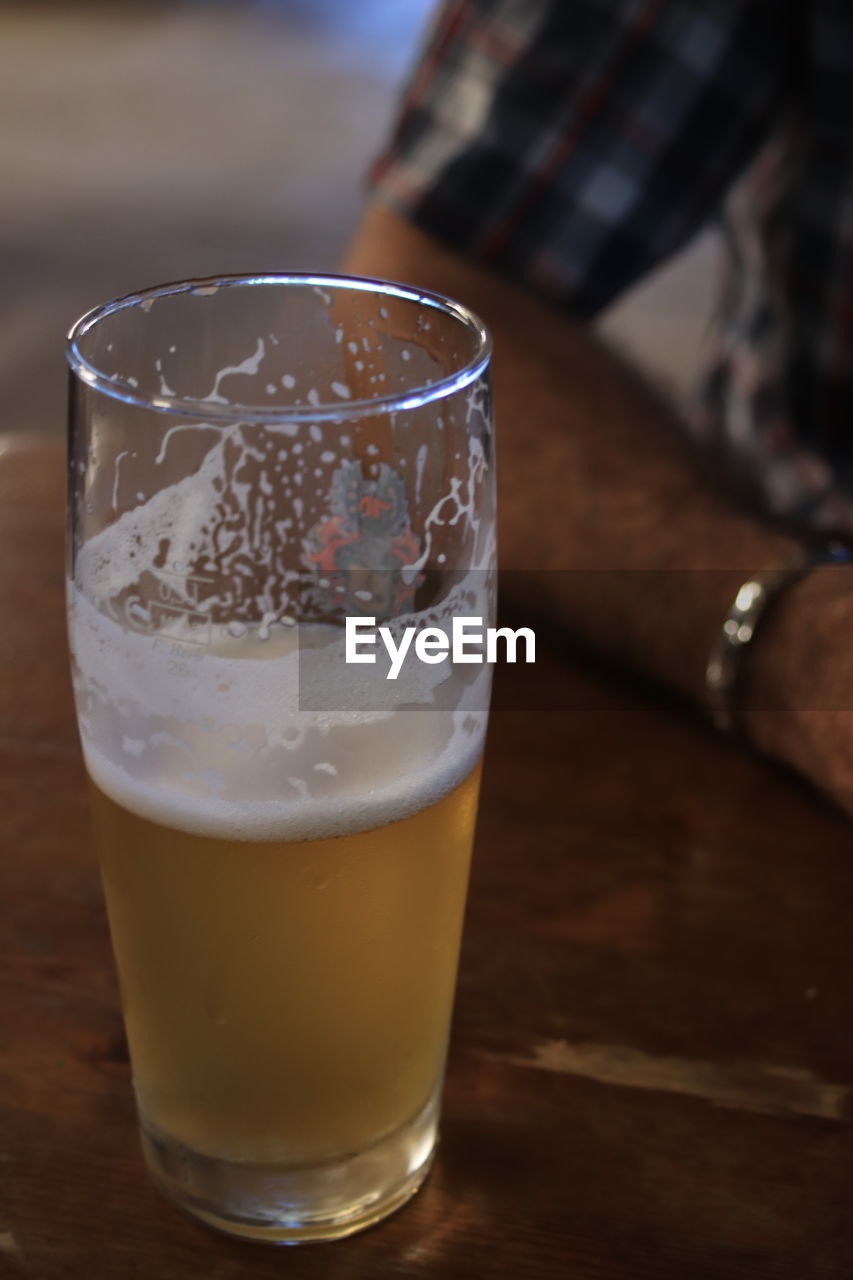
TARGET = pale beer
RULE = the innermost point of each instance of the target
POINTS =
(284, 836)
(286, 1003)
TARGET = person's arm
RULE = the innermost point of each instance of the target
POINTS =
(596, 480)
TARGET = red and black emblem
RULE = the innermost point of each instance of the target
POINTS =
(361, 550)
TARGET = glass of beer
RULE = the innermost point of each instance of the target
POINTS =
(284, 834)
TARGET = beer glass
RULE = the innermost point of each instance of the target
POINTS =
(284, 835)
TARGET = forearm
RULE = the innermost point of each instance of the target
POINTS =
(596, 483)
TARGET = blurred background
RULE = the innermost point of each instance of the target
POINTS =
(145, 142)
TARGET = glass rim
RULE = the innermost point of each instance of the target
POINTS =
(412, 398)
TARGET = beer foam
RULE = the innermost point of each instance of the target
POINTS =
(189, 704)
(216, 744)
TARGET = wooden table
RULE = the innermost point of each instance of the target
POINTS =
(652, 1064)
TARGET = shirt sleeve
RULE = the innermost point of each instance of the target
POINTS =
(574, 144)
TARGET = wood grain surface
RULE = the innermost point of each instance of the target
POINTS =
(652, 1065)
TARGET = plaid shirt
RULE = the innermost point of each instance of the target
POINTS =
(575, 144)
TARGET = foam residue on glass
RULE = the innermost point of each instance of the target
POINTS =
(187, 663)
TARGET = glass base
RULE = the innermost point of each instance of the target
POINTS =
(287, 1204)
